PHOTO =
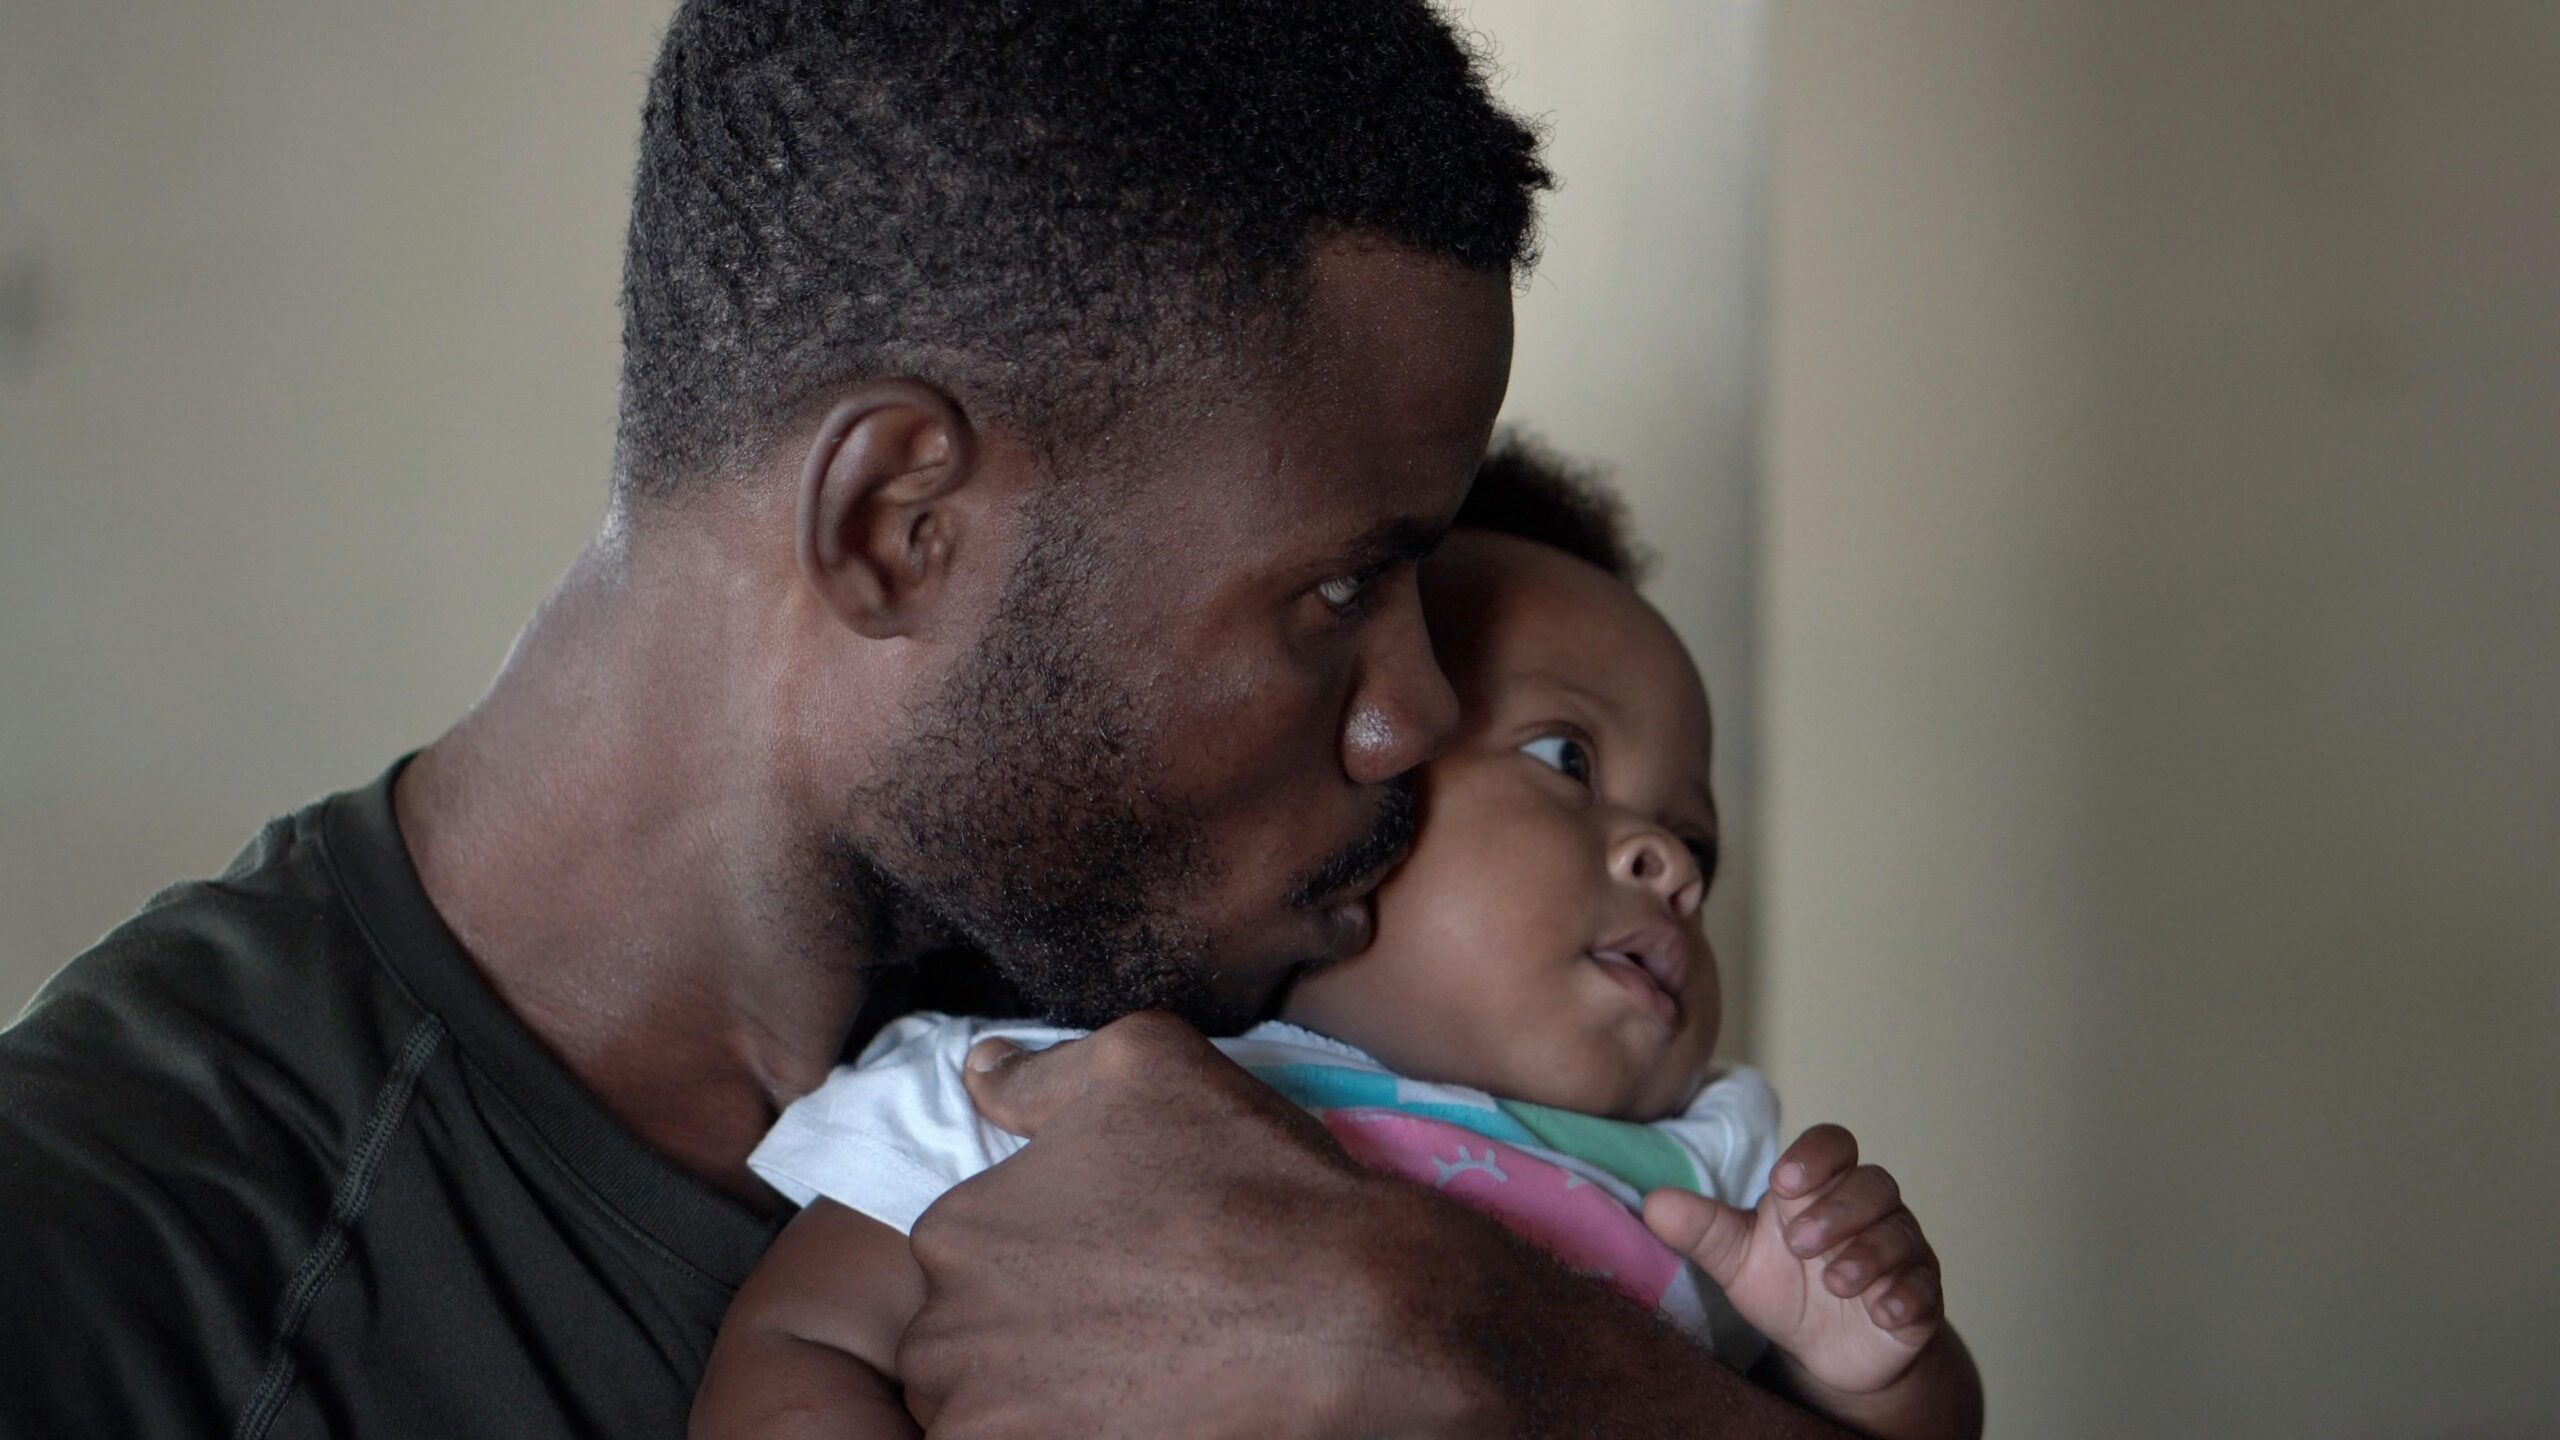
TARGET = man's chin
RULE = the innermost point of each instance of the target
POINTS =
(1215, 1000)
(1208, 1015)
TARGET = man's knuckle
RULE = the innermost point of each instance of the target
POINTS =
(939, 1235)
(1144, 1048)
(1160, 1035)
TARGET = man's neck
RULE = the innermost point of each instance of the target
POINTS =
(603, 835)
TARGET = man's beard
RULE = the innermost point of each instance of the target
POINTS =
(1019, 827)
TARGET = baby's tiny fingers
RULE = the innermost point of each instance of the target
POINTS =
(1863, 1196)
(1818, 1154)
(1877, 1252)
(1909, 1299)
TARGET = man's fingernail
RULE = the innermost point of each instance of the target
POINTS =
(988, 1055)
(1790, 1176)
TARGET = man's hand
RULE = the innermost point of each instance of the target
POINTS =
(1180, 1251)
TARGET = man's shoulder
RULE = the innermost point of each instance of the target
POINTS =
(174, 1107)
(253, 964)
(202, 1058)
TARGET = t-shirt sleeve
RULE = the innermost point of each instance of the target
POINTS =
(1731, 1131)
(889, 1133)
(137, 1287)
(116, 1324)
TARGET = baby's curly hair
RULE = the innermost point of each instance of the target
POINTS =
(1523, 488)
(1047, 208)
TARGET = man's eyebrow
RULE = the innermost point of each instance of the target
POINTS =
(1399, 541)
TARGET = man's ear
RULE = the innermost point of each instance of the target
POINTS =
(877, 522)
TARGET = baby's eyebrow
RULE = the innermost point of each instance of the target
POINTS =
(1701, 792)
(1608, 709)
(1705, 796)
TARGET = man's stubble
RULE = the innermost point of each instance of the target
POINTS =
(1020, 828)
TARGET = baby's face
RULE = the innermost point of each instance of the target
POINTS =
(1543, 939)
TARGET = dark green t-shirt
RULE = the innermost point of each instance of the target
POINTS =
(275, 1162)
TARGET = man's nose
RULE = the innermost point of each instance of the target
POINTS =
(1651, 859)
(1403, 711)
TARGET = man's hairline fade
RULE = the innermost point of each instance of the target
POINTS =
(743, 123)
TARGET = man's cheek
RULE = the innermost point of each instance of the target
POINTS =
(1250, 744)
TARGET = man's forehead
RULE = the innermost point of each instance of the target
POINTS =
(1308, 481)
(1365, 436)
(1413, 343)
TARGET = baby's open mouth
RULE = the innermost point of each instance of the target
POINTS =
(1652, 962)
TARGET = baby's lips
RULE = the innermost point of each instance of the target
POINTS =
(1660, 949)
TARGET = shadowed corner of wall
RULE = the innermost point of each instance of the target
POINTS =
(23, 311)
(24, 286)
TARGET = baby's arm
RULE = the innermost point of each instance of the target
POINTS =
(810, 1345)
(1834, 1270)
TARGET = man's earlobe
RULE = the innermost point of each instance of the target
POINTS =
(876, 519)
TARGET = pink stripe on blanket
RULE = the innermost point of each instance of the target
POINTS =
(1542, 1202)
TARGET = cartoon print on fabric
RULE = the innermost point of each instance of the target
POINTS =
(1467, 1164)
(1541, 1202)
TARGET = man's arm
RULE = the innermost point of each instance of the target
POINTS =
(1181, 1251)
(119, 1314)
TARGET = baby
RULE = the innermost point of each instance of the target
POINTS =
(1532, 1032)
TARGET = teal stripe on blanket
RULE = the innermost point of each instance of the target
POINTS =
(1341, 1087)
(1642, 1156)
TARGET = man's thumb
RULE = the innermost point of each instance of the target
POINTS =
(1018, 1089)
(1710, 1232)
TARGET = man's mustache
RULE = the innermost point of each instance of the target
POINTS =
(1399, 816)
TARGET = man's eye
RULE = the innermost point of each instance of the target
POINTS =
(1563, 754)
(1343, 592)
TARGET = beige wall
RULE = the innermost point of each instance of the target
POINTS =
(2162, 683)
(309, 398)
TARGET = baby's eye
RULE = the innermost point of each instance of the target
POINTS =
(1564, 754)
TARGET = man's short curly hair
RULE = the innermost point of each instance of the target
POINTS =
(1047, 207)
(1525, 489)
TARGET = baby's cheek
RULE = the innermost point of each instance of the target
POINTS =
(1413, 998)
(1476, 931)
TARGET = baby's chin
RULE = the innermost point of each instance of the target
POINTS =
(1613, 1070)
(1640, 1100)
(1614, 1087)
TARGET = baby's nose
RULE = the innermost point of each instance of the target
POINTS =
(1655, 861)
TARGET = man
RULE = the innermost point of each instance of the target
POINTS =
(1031, 416)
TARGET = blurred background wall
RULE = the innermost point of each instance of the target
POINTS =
(2134, 630)
(306, 395)
(2162, 702)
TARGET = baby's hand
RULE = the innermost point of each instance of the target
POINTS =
(1830, 1267)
